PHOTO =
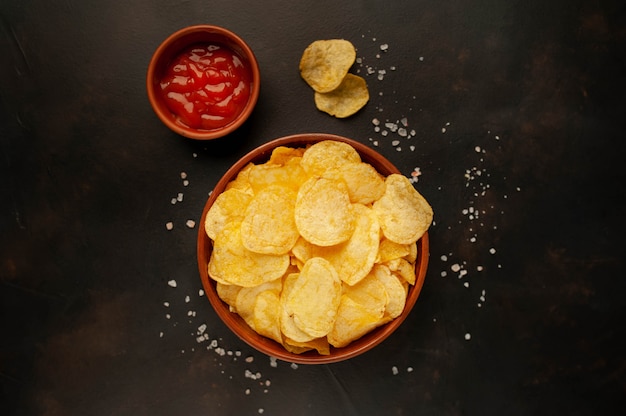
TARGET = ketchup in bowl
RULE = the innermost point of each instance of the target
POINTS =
(206, 86)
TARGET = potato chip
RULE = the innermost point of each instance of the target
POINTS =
(229, 206)
(328, 154)
(402, 268)
(403, 212)
(412, 256)
(345, 100)
(389, 250)
(314, 297)
(232, 263)
(241, 182)
(370, 293)
(283, 155)
(396, 295)
(319, 344)
(266, 315)
(365, 184)
(323, 212)
(228, 293)
(353, 321)
(354, 259)
(325, 63)
(287, 324)
(247, 297)
(268, 226)
(290, 174)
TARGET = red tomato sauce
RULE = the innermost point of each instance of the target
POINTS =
(206, 86)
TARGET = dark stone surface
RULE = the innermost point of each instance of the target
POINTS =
(534, 94)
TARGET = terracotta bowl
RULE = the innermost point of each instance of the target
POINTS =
(171, 48)
(237, 324)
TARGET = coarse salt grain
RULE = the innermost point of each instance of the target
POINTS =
(172, 283)
(190, 223)
(394, 370)
(468, 336)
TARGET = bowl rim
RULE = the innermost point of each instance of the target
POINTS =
(234, 322)
(248, 55)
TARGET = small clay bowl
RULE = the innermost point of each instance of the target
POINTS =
(235, 323)
(182, 40)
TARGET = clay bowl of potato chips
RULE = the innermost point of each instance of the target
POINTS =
(313, 248)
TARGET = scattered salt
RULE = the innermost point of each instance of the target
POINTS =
(468, 336)
(169, 225)
(190, 223)
(172, 283)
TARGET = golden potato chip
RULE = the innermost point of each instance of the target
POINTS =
(229, 206)
(241, 182)
(365, 184)
(268, 226)
(323, 212)
(314, 297)
(396, 295)
(345, 100)
(354, 259)
(325, 63)
(389, 250)
(287, 324)
(282, 155)
(328, 154)
(228, 293)
(370, 293)
(412, 256)
(403, 212)
(319, 344)
(232, 263)
(402, 268)
(247, 297)
(290, 174)
(266, 315)
(353, 321)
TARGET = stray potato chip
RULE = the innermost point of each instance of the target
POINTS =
(323, 212)
(314, 297)
(229, 206)
(403, 212)
(325, 63)
(328, 154)
(345, 100)
(314, 248)
(232, 263)
(268, 226)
